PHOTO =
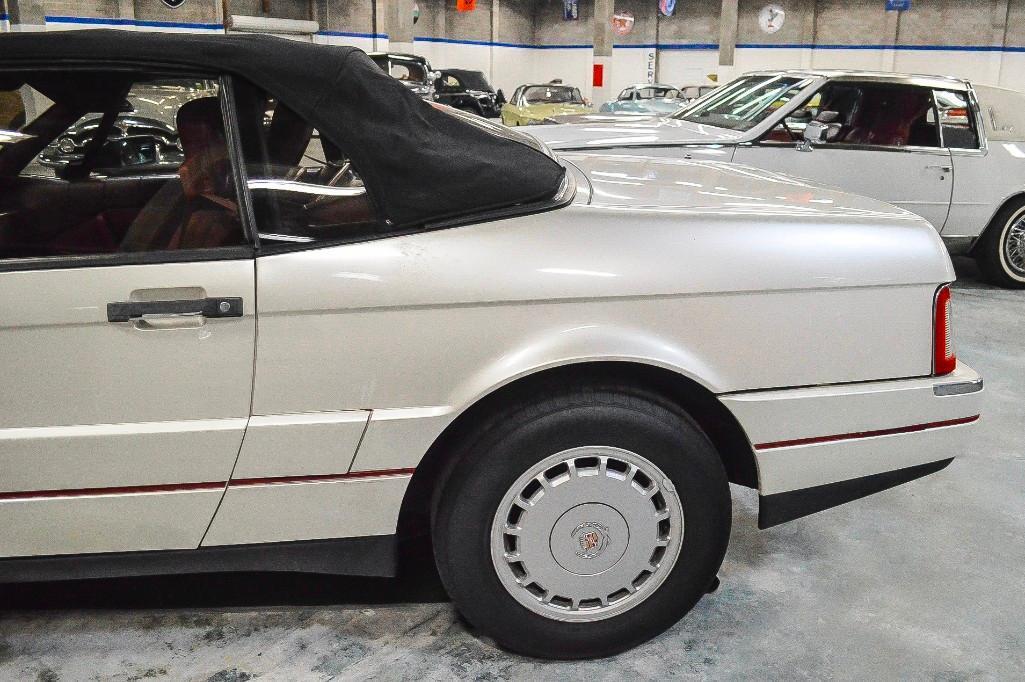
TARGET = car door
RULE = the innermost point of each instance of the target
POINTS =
(978, 189)
(887, 147)
(126, 336)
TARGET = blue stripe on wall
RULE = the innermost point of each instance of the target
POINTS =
(715, 46)
(493, 43)
(97, 21)
(350, 34)
(934, 48)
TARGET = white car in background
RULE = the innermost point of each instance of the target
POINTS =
(948, 150)
(549, 368)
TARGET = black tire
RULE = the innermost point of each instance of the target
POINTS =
(991, 251)
(511, 442)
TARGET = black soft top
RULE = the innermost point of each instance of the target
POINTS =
(419, 164)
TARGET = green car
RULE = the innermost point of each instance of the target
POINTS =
(539, 104)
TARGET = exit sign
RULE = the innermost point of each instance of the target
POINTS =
(898, 5)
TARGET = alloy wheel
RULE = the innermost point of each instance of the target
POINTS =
(587, 534)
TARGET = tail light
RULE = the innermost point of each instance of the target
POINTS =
(944, 357)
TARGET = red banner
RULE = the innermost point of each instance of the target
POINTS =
(466, 5)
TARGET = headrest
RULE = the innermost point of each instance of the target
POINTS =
(200, 124)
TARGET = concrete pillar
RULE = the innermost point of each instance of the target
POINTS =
(891, 36)
(496, 10)
(807, 9)
(728, 30)
(126, 10)
(399, 15)
(603, 44)
(26, 15)
(998, 23)
(379, 24)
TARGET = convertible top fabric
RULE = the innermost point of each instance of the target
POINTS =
(419, 164)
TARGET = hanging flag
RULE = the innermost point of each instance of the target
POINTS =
(466, 5)
(667, 7)
(569, 10)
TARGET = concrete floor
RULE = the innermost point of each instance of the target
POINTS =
(926, 581)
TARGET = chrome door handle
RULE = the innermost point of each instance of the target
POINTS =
(945, 169)
(126, 311)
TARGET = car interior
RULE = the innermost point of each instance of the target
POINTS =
(78, 206)
(304, 188)
(72, 210)
(877, 115)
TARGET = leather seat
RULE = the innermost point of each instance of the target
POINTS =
(198, 210)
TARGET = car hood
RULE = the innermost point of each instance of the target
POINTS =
(548, 110)
(683, 186)
(644, 132)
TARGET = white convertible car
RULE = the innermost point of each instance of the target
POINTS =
(949, 151)
(350, 319)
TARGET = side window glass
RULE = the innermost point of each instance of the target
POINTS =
(956, 120)
(450, 84)
(304, 188)
(113, 163)
(869, 114)
(889, 116)
(143, 139)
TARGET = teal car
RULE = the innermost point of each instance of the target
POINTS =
(653, 99)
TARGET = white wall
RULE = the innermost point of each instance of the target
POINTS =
(509, 66)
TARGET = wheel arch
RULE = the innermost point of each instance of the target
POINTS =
(1018, 197)
(714, 418)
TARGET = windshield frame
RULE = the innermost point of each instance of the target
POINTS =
(800, 86)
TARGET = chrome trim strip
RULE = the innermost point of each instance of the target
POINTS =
(958, 388)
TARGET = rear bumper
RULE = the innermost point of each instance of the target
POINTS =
(819, 447)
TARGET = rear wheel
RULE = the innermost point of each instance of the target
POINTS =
(583, 524)
(1001, 251)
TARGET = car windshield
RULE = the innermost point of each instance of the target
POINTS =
(408, 71)
(745, 102)
(656, 92)
(474, 80)
(552, 94)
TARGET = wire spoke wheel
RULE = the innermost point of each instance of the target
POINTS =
(587, 534)
(1014, 247)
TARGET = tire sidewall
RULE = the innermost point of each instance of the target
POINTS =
(463, 524)
(1015, 215)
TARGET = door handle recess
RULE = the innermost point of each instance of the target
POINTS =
(127, 311)
(945, 169)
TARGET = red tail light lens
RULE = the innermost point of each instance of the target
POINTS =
(944, 358)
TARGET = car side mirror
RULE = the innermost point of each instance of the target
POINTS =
(825, 128)
(816, 132)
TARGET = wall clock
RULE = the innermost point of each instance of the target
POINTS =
(771, 18)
